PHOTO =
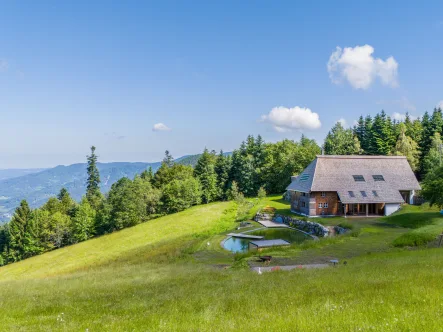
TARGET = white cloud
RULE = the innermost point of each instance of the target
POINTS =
(343, 122)
(360, 68)
(440, 105)
(160, 127)
(401, 117)
(285, 119)
(4, 65)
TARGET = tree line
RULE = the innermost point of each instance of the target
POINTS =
(253, 169)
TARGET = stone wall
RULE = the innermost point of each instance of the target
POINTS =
(309, 227)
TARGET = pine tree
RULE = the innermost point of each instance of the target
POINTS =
(360, 132)
(168, 159)
(204, 171)
(437, 121)
(382, 135)
(93, 183)
(222, 168)
(407, 147)
(426, 140)
(18, 231)
(367, 144)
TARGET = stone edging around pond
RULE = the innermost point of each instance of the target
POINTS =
(309, 227)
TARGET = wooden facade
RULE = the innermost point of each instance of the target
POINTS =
(327, 203)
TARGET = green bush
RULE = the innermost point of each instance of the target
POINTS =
(417, 238)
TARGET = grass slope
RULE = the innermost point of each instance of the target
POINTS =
(163, 275)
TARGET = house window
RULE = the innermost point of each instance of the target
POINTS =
(363, 193)
(320, 205)
(303, 204)
(359, 178)
(303, 194)
(325, 205)
(351, 193)
(374, 192)
(378, 177)
(323, 194)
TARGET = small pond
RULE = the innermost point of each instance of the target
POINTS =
(241, 245)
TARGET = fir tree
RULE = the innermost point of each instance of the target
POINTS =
(168, 159)
(93, 183)
(18, 231)
(205, 172)
(222, 168)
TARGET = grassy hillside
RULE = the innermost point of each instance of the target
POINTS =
(171, 274)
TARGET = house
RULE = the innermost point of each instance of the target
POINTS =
(353, 186)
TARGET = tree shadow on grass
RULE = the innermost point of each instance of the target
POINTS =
(413, 220)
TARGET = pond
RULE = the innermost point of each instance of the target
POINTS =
(241, 245)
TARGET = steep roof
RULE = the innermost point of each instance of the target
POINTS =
(335, 173)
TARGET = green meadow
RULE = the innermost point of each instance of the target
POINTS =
(172, 274)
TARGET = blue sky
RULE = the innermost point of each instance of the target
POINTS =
(78, 73)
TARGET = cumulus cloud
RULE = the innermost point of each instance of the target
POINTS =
(440, 105)
(160, 127)
(401, 117)
(358, 66)
(4, 65)
(285, 119)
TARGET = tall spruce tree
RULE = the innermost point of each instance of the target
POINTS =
(382, 135)
(18, 231)
(222, 168)
(367, 142)
(93, 193)
(204, 171)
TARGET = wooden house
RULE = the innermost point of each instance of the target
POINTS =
(353, 186)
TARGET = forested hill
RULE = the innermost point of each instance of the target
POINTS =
(36, 188)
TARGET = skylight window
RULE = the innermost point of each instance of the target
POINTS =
(378, 177)
(304, 177)
(363, 193)
(359, 178)
(351, 193)
(374, 192)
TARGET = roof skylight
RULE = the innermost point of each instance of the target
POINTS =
(359, 178)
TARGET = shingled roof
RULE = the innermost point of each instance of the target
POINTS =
(336, 173)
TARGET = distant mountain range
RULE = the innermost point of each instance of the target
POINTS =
(14, 173)
(37, 185)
